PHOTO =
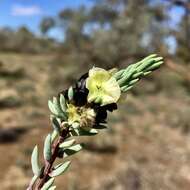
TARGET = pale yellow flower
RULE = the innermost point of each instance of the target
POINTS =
(103, 88)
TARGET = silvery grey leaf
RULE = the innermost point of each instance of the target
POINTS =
(56, 124)
(60, 169)
(70, 93)
(54, 135)
(63, 103)
(67, 144)
(52, 108)
(47, 148)
(48, 184)
(35, 161)
(72, 150)
(52, 188)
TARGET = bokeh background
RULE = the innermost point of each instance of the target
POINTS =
(46, 44)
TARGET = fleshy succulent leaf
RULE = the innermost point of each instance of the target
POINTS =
(48, 184)
(67, 144)
(128, 77)
(52, 188)
(63, 103)
(70, 93)
(58, 108)
(47, 148)
(56, 124)
(54, 135)
(60, 169)
(52, 108)
(35, 161)
(83, 132)
(72, 150)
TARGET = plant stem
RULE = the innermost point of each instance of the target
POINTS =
(32, 182)
(49, 164)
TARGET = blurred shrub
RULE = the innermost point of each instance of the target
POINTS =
(9, 98)
(24, 41)
(11, 71)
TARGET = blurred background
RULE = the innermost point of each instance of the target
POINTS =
(46, 44)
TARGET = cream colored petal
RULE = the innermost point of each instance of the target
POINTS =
(91, 97)
(106, 99)
(112, 89)
(102, 87)
(94, 70)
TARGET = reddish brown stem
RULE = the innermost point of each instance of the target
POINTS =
(49, 164)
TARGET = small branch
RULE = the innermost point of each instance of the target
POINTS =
(79, 112)
(49, 164)
(32, 182)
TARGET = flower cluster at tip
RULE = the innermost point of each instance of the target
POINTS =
(82, 109)
(86, 104)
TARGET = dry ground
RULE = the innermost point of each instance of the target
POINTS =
(147, 146)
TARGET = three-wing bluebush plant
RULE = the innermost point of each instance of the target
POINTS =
(82, 110)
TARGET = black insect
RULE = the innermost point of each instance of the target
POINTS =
(80, 99)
